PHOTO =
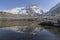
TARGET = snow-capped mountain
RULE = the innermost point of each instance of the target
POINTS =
(31, 10)
(14, 10)
(54, 10)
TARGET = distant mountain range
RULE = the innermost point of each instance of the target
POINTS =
(31, 10)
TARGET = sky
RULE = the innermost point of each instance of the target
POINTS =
(44, 4)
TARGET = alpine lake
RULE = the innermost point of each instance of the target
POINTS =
(27, 30)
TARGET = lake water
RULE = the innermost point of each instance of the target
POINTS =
(20, 30)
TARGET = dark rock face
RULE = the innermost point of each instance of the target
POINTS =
(11, 35)
(46, 23)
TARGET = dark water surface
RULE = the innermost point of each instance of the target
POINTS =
(12, 34)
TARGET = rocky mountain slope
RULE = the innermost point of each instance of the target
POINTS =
(54, 10)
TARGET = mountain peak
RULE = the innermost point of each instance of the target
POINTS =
(30, 9)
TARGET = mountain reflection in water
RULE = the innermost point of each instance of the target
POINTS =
(6, 34)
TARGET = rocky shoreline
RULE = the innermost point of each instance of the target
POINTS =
(50, 23)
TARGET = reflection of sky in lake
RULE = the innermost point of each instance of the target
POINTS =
(12, 35)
